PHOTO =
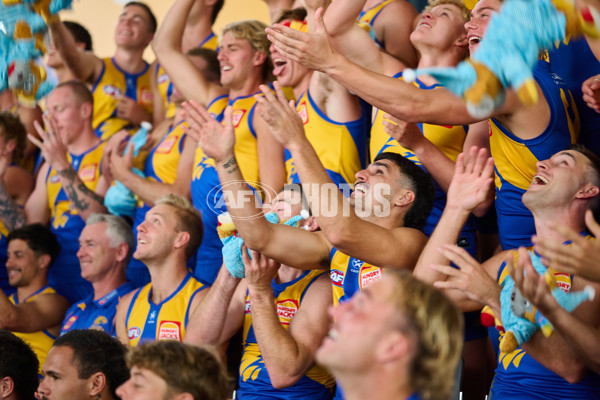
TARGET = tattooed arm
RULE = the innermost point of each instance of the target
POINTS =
(84, 200)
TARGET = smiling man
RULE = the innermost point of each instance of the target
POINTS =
(34, 312)
(169, 235)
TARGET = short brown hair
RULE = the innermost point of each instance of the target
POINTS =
(11, 128)
(80, 90)
(188, 220)
(184, 368)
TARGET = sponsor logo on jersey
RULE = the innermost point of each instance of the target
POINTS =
(98, 322)
(337, 277)
(286, 309)
(87, 173)
(134, 332)
(166, 145)
(70, 323)
(169, 330)
(563, 281)
(247, 307)
(355, 265)
(112, 91)
(162, 78)
(237, 116)
(368, 275)
(54, 179)
(146, 95)
(303, 111)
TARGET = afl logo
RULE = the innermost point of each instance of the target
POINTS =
(134, 333)
(112, 91)
(247, 307)
(337, 277)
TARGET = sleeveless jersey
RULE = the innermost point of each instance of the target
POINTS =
(515, 159)
(366, 19)
(254, 379)
(111, 85)
(573, 61)
(164, 84)
(349, 275)
(341, 147)
(146, 321)
(520, 376)
(160, 166)
(95, 314)
(66, 224)
(40, 341)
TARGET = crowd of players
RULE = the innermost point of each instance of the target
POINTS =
(269, 123)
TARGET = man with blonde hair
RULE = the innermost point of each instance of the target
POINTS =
(169, 235)
(171, 370)
(398, 338)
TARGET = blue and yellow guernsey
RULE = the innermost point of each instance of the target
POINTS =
(4, 286)
(254, 379)
(341, 147)
(367, 18)
(66, 224)
(40, 341)
(515, 159)
(349, 275)
(112, 84)
(164, 84)
(146, 321)
(520, 376)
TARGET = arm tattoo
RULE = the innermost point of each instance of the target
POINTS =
(79, 194)
(230, 166)
(10, 214)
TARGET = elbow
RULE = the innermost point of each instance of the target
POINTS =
(340, 235)
(282, 379)
(574, 375)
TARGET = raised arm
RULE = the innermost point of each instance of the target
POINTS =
(220, 314)
(469, 187)
(291, 246)
(396, 248)
(84, 200)
(271, 163)
(167, 46)
(287, 353)
(44, 312)
(84, 65)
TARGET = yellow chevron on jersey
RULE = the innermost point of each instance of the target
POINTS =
(288, 299)
(350, 275)
(40, 341)
(338, 145)
(164, 84)
(111, 85)
(146, 321)
(449, 139)
(87, 167)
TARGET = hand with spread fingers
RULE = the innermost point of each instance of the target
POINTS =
(581, 257)
(472, 180)
(280, 114)
(260, 270)
(120, 165)
(54, 150)
(532, 285)
(216, 140)
(470, 277)
(312, 50)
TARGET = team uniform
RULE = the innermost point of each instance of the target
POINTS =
(520, 376)
(349, 275)
(40, 341)
(164, 84)
(254, 381)
(573, 61)
(366, 19)
(95, 314)
(146, 321)
(341, 147)
(160, 166)
(111, 85)
(66, 224)
(515, 159)
(206, 187)
(4, 286)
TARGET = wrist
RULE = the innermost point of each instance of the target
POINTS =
(259, 290)
(456, 211)
(226, 162)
